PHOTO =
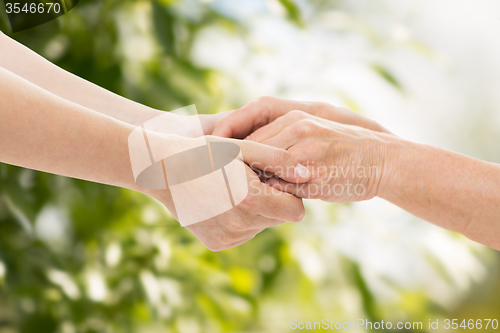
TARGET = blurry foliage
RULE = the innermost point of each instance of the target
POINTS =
(293, 11)
(388, 76)
(82, 257)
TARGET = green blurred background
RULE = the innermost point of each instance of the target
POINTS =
(82, 257)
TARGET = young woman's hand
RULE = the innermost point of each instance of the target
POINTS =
(262, 206)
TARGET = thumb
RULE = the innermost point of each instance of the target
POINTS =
(274, 160)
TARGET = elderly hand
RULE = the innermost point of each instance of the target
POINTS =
(347, 162)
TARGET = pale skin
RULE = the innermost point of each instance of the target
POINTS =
(25, 63)
(448, 189)
(57, 114)
(42, 131)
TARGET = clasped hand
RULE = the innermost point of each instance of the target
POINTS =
(343, 162)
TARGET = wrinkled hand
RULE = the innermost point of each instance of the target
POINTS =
(263, 207)
(347, 162)
(260, 112)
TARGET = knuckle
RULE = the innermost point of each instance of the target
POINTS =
(297, 114)
(324, 106)
(304, 128)
(264, 100)
(323, 109)
(239, 224)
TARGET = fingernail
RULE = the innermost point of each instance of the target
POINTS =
(301, 171)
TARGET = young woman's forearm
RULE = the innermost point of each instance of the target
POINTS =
(22, 61)
(41, 131)
(451, 190)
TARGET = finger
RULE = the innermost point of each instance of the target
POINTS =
(274, 128)
(275, 204)
(255, 114)
(298, 190)
(283, 140)
(263, 175)
(240, 123)
(274, 160)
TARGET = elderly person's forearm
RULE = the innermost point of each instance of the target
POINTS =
(451, 190)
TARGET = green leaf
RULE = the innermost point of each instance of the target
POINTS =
(388, 76)
(293, 12)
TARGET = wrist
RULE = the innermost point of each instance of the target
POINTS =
(398, 160)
